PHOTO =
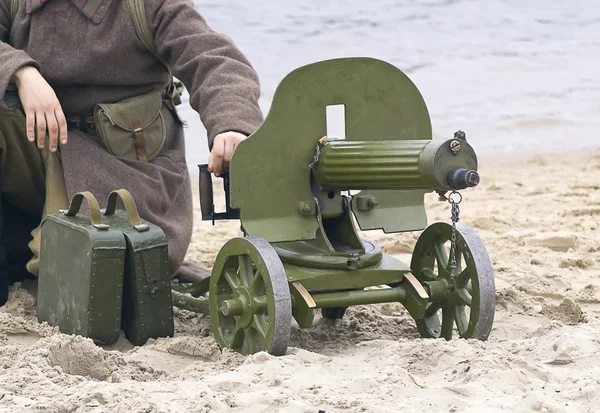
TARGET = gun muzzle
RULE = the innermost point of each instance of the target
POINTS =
(462, 178)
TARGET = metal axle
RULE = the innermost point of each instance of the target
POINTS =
(360, 297)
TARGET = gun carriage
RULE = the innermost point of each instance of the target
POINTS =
(303, 197)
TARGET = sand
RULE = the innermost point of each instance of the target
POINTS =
(539, 219)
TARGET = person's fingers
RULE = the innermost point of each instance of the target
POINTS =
(52, 131)
(30, 125)
(43, 113)
(218, 153)
(62, 125)
(210, 162)
(229, 147)
(40, 120)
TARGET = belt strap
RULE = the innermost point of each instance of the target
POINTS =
(87, 123)
(83, 123)
(140, 141)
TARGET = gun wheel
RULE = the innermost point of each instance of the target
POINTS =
(249, 298)
(463, 301)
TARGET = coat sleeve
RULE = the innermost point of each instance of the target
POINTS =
(11, 59)
(224, 88)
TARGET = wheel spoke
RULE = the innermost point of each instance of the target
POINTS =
(257, 286)
(250, 345)
(428, 274)
(463, 278)
(246, 272)
(447, 321)
(237, 338)
(232, 279)
(261, 326)
(433, 308)
(465, 296)
(461, 319)
(458, 259)
(441, 255)
(260, 305)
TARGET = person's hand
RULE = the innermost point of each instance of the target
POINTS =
(223, 146)
(42, 108)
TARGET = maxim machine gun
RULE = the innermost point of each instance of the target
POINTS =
(301, 194)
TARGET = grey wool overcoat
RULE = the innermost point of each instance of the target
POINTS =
(89, 53)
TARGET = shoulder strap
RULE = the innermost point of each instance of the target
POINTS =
(142, 30)
(14, 8)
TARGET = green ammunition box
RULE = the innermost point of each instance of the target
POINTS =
(105, 272)
(147, 300)
(81, 273)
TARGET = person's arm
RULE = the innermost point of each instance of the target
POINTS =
(224, 88)
(11, 59)
(39, 101)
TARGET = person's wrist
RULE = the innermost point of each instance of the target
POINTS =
(23, 73)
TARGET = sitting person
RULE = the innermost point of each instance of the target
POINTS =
(62, 59)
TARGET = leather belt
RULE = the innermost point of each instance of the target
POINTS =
(85, 124)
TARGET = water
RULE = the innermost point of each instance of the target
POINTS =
(513, 74)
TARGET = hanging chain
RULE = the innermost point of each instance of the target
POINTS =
(455, 218)
(322, 142)
(455, 212)
(316, 156)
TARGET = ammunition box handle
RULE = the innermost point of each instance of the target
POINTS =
(130, 207)
(94, 207)
(206, 192)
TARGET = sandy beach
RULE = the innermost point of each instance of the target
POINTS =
(538, 217)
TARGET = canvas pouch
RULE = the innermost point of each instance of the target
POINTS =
(133, 128)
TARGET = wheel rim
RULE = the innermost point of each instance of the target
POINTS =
(249, 297)
(463, 302)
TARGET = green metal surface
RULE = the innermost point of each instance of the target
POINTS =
(360, 297)
(388, 217)
(190, 303)
(381, 103)
(81, 278)
(195, 289)
(147, 300)
(400, 292)
(387, 271)
(403, 164)
(307, 254)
